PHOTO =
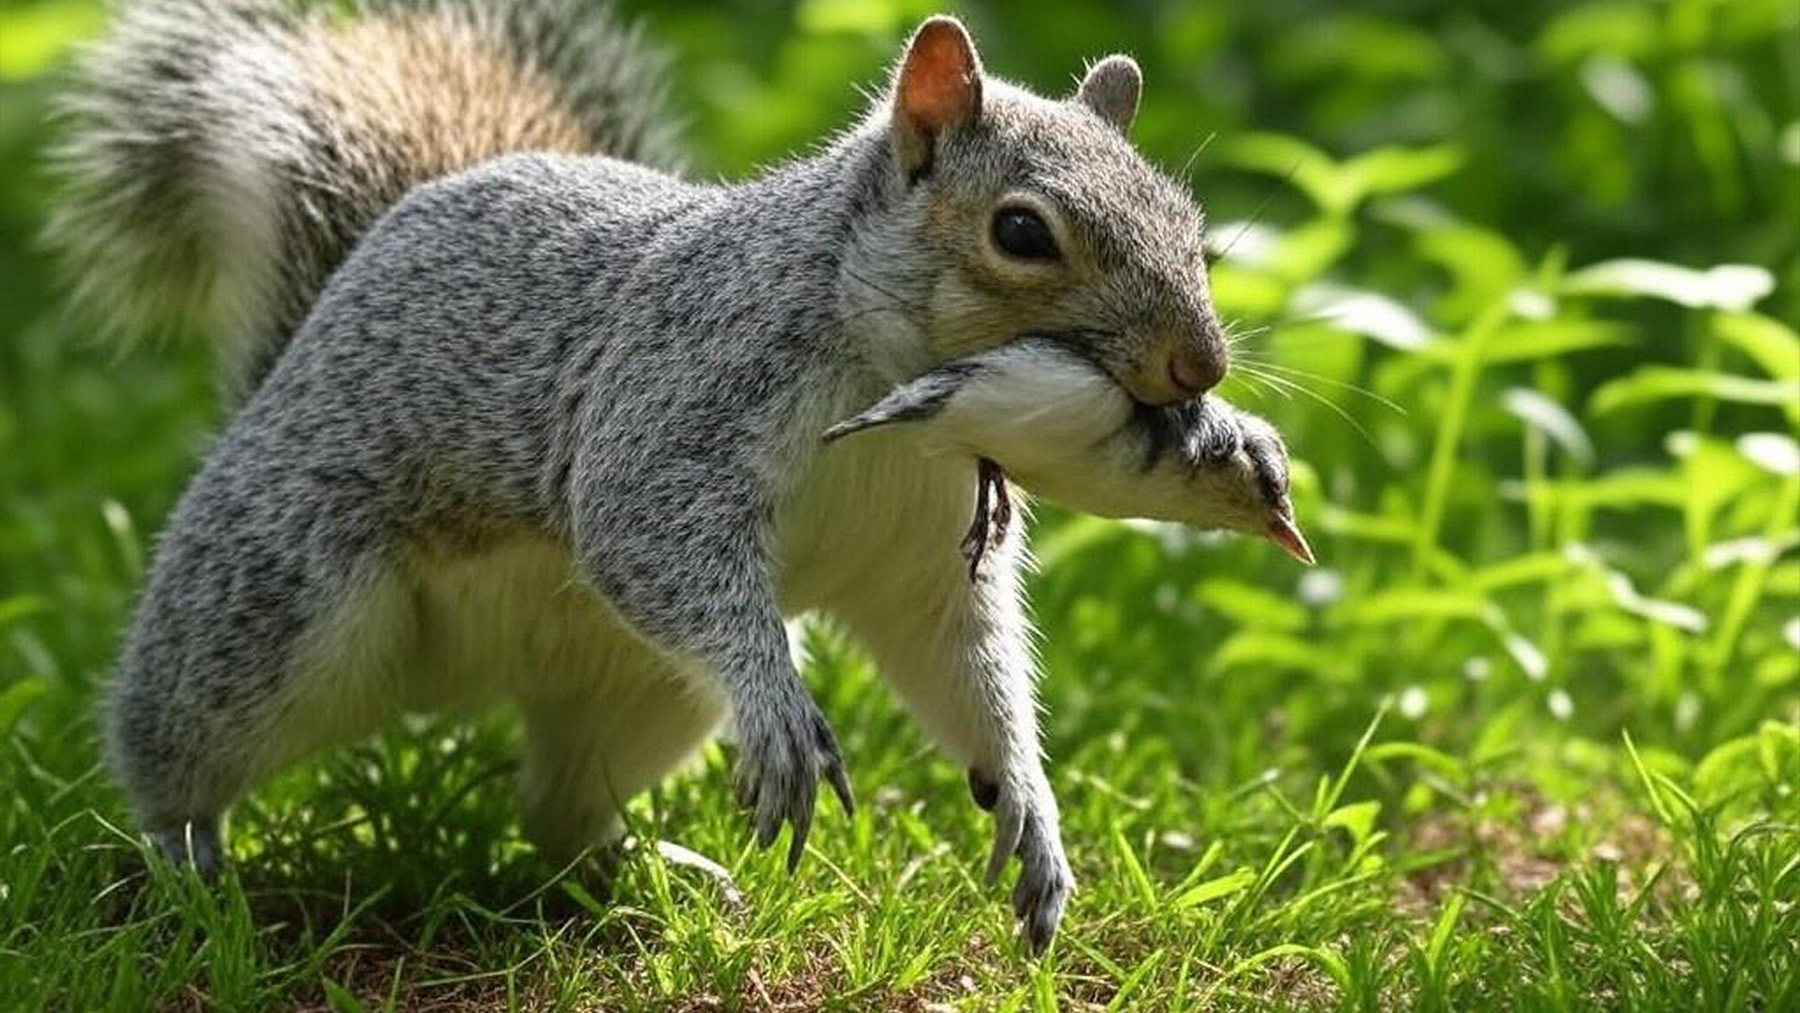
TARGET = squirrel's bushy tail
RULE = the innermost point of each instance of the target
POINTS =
(221, 157)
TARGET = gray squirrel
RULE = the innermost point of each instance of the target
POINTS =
(522, 417)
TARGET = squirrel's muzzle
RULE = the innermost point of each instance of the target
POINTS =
(1194, 370)
(1177, 371)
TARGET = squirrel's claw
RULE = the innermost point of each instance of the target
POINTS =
(780, 765)
(797, 844)
(1043, 887)
(1025, 825)
(840, 785)
(193, 843)
(1009, 827)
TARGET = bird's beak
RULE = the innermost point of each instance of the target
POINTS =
(1285, 533)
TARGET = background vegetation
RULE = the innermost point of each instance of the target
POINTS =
(1518, 280)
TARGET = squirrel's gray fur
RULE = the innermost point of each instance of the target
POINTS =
(551, 434)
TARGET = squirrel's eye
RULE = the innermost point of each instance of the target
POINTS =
(1021, 233)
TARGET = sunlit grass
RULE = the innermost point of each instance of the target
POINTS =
(1529, 738)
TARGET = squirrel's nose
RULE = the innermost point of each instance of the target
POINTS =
(1194, 370)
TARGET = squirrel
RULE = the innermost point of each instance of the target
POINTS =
(520, 416)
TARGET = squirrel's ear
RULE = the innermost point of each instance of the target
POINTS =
(1111, 89)
(938, 89)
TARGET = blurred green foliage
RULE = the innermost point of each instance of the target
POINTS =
(1519, 281)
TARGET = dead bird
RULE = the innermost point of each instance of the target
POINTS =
(1042, 412)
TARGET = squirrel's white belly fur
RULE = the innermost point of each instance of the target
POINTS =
(514, 622)
(856, 507)
(510, 623)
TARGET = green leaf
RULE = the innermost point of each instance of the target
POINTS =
(1436, 759)
(1122, 999)
(1442, 931)
(1771, 344)
(1531, 340)
(1410, 604)
(1662, 383)
(1078, 534)
(1357, 819)
(1043, 988)
(1778, 750)
(20, 606)
(1484, 265)
(1337, 188)
(1324, 958)
(1652, 785)
(1666, 613)
(1716, 472)
(1134, 869)
(1728, 286)
(1535, 568)
(1553, 420)
(1250, 649)
(1251, 606)
(1622, 27)
(1525, 654)
(1366, 527)
(15, 698)
(1727, 769)
(580, 895)
(1213, 889)
(1311, 170)
(1396, 169)
(340, 999)
(1241, 291)
(1305, 253)
(1369, 314)
(1624, 487)
(1358, 46)
(879, 18)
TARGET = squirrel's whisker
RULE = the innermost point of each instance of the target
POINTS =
(1341, 384)
(1269, 383)
(1283, 383)
(1249, 383)
(1194, 156)
(1234, 338)
(1262, 206)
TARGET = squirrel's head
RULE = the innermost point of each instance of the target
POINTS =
(1030, 215)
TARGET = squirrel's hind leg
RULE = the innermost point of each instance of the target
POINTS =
(266, 631)
(193, 842)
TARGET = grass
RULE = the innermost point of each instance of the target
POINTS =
(1274, 795)
(1528, 739)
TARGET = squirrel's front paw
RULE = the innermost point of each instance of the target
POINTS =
(1025, 823)
(785, 746)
